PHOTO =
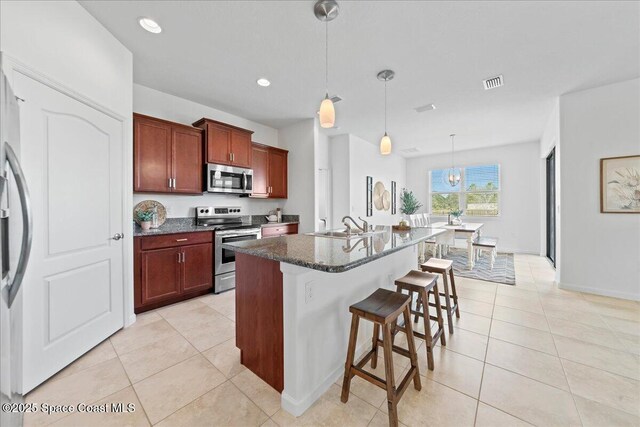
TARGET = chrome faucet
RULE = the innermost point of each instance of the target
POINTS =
(364, 228)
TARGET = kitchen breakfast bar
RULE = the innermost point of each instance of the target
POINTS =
(292, 303)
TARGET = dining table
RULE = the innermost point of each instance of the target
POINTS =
(470, 230)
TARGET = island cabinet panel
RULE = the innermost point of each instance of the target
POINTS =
(259, 321)
(171, 268)
(226, 144)
(167, 156)
(270, 172)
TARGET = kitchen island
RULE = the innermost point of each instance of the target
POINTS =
(292, 303)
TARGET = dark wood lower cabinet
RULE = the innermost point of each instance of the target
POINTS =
(197, 267)
(160, 275)
(171, 268)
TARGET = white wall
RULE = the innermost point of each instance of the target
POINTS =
(352, 160)
(299, 139)
(169, 107)
(63, 41)
(518, 225)
(366, 160)
(600, 252)
(340, 188)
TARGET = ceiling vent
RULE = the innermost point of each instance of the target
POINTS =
(493, 82)
(411, 150)
(335, 99)
(424, 108)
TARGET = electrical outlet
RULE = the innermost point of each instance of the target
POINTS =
(308, 292)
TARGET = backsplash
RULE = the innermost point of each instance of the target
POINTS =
(183, 206)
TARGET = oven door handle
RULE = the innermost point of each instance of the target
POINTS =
(237, 233)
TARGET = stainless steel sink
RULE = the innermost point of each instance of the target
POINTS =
(344, 235)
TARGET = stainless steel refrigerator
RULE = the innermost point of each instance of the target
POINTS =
(15, 245)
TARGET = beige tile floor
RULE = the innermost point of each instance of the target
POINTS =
(524, 354)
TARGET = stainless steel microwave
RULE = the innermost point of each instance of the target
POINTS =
(229, 179)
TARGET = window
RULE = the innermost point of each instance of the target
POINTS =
(477, 193)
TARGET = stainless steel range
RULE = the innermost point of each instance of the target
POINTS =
(228, 226)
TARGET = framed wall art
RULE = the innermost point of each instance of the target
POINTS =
(369, 196)
(620, 184)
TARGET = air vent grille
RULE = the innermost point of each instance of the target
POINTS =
(424, 108)
(411, 150)
(493, 82)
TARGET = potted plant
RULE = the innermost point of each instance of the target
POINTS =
(454, 217)
(145, 218)
(409, 204)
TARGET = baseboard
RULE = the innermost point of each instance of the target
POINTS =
(298, 407)
(130, 320)
(598, 291)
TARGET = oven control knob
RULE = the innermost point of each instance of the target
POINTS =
(201, 210)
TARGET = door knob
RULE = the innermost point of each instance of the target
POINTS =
(118, 236)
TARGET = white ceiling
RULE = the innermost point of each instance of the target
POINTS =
(213, 52)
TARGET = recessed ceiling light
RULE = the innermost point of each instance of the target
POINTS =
(150, 25)
(263, 82)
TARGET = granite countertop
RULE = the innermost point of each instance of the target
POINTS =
(188, 225)
(333, 255)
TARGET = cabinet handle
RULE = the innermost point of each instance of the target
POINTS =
(184, 255)
(174, 183)
(178, 257)
(182, 240)
(170, 183)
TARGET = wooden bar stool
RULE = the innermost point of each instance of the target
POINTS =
(422, 283)
(383, 308)
(445, 267)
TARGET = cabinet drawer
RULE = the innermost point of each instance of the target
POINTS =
(171, 240)
(279, 230)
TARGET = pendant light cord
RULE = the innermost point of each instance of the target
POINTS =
(326, 56)
(385, 106)
(453, 162)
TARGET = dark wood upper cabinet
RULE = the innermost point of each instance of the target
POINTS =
(269, 166)
(218, 144)
(151, 155)
(187, 160)
(167, 156)
(260, 166)
(278, 173)
(226, 144)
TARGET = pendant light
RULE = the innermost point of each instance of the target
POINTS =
(453, 177)
(385, 142)
(325, 11)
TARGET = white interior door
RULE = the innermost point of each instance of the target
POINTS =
(73, 291)
(324, 200)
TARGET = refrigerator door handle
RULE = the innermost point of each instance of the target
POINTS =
(27, 224)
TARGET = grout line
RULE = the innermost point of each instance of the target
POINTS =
(484, 364)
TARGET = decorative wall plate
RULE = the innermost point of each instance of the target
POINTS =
(150, 204)
(378, 191)
(386, 200)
